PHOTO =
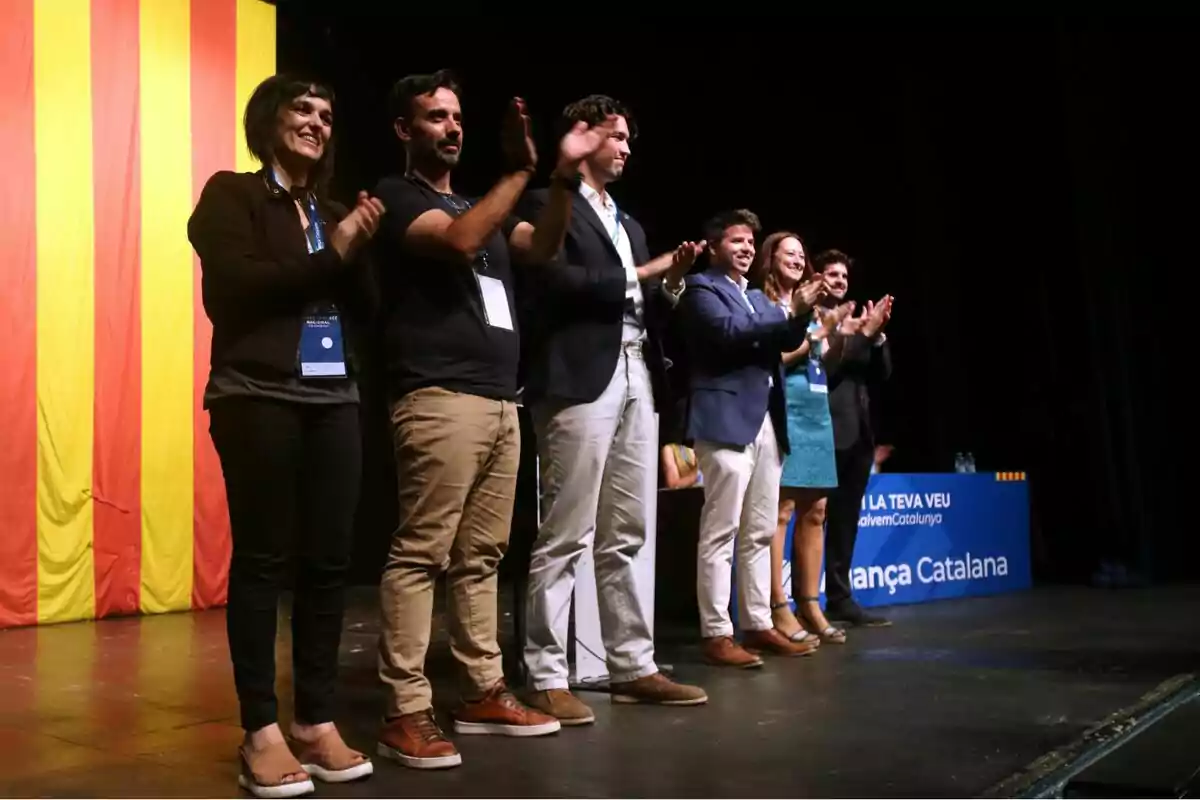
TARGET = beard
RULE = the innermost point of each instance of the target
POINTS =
(447, 158)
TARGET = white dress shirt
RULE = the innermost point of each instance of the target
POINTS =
(610, 218)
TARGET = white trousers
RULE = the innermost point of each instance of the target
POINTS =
(595, 463)
(741, 509)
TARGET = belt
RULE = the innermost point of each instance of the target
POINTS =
(637, 347)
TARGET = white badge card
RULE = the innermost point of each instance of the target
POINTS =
(495, 302)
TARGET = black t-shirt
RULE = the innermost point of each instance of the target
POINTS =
(436, 332)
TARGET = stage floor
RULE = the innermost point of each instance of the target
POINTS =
(955, 697)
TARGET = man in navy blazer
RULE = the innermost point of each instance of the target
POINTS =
(737, 422)
(594, 369)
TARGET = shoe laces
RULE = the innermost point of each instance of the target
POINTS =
(427, 728)
(509, 700)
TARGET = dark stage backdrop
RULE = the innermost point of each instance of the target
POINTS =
(1025, 189)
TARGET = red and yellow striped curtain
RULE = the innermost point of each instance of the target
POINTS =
(114, 114)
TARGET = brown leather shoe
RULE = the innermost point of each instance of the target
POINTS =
(563, 706)
(658, 689)
(500, 712)
(773, 642)
(416, 741)
(723, 651)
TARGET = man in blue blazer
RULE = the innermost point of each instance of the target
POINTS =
(737, 422)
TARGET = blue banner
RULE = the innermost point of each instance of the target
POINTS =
(925, 537)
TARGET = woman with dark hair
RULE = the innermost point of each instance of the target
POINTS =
(285, 294)
(810, 469)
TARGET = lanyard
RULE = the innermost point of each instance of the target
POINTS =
(616, 234)
(316, 241)
(314, 236)
(455, 205)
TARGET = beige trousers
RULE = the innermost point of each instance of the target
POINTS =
(456, 466)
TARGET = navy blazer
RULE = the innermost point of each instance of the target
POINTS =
(573, 310)
(736, 360)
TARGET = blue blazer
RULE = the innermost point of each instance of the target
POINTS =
(736, 365)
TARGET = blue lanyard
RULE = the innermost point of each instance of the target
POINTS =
(316, 242)
(314, 225)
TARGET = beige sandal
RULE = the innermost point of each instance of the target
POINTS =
(829, 634)
(330, 760)
(263, 772)
(788, 626)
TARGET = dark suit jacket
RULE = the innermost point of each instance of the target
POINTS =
(735, 360)
(861, 364)
(573, 310)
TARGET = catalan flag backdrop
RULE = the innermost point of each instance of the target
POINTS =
(115, 113)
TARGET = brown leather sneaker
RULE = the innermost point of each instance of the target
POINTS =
(416, 741)
(723, 651)
(500, 712)
(563, 706)
(773, 642)
(658, 689)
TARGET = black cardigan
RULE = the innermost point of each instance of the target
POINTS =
(258, 279)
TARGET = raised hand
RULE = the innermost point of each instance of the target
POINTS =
(808, 294)
(682, 260)
(517, 137)
(358, 226)
(580, 142)
(877, 317)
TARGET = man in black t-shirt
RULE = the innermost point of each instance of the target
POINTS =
(451, 353)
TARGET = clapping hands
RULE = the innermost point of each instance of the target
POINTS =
(833, 318)
(358, 226)
(806, 295)
(877, 316)
(682, 260)
(517, 137)
(871, 319)
(580, 142)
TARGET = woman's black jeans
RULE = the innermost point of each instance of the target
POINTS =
(293, 472)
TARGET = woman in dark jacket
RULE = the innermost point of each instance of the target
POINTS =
(284, 291)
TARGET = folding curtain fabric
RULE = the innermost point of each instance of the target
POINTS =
(115, 113)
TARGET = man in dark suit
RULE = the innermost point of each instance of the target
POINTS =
(866, 358)
(737, 421)
(594, 368)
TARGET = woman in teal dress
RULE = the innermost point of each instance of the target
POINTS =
(810, 469)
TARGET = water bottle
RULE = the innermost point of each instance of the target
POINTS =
(960, 462)
(970, 462)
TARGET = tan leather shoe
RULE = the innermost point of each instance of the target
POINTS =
(658, 689)
(499, 712)
(416, 741)
(723, 651)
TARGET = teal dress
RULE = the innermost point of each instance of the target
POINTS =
(811, 463)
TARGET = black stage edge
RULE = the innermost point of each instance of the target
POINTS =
(1050, 775)
(1162, 761)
